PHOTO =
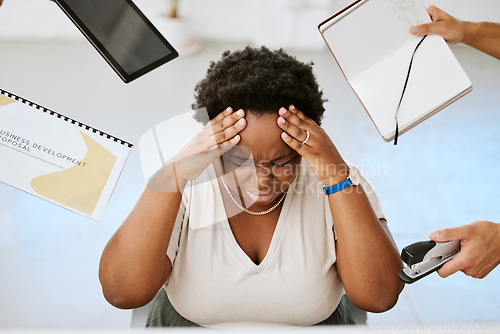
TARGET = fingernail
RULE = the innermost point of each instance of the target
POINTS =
(240, 112)
(284, 134)
(434, 235)
(241, 121)
(229, 109)
(292, 107)
(414, 29)
(281, 120)
(282, 110)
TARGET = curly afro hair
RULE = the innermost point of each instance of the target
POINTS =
(261, 81)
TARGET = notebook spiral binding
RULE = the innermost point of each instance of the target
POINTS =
(65, 118)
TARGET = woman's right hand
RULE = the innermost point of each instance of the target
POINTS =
(134, 265)
(217, 137)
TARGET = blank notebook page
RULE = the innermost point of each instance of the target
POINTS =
(373, 46)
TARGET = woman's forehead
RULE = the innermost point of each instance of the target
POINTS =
(261, 138)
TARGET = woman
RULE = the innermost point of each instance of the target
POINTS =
(237, 227)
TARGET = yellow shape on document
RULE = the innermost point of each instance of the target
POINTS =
(4, 100)
(80, 186)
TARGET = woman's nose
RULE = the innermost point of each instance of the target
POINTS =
(256, 177)
(264, 177)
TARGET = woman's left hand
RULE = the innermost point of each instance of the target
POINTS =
(354, 261)
(310, 140)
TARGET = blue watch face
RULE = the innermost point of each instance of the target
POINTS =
(337, 187)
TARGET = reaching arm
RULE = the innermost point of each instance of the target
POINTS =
(484, 36)
(480, 248)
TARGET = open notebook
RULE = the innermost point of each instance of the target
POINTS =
(372, 44)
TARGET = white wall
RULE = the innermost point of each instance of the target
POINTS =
(49, 257)
(288, 23)
(277, 22)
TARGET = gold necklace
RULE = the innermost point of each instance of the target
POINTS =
(255, 213)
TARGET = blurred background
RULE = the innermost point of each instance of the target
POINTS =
(443, 173)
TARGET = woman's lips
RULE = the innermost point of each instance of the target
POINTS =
(260, 197)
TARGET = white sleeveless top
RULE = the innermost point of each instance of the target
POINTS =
(214, 283)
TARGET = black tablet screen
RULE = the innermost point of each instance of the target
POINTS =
(121, 31)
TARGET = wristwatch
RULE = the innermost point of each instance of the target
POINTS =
(351, 180)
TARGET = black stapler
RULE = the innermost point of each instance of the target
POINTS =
(425, 257)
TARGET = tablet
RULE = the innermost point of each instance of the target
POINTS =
(122, 34)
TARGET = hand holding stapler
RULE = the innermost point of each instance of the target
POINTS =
(425, 257)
